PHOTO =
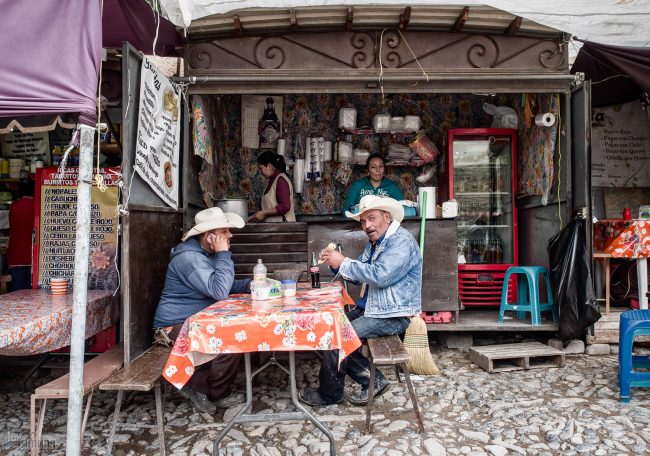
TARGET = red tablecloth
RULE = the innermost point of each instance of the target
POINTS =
(313, 320)
(35, 321)
(623, 238)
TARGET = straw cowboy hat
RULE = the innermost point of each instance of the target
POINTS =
(211, 219)
(370, 202)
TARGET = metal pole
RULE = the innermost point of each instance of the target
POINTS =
(324, 76)
(80, 291)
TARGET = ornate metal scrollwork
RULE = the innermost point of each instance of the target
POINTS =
(553, 56)
(483, 53)
(199, 56)
(391, 57)
(269, 53)
(365, 56)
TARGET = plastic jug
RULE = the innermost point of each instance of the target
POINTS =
(259, 272)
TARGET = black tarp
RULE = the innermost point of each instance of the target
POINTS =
(618, 74)
(571, 280)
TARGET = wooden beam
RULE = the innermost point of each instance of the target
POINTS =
(239, 31)
(514, 26)
(462, 18)
(294, 21)
(404, 18)
(348, 22)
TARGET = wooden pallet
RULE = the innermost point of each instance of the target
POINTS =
(509, 357)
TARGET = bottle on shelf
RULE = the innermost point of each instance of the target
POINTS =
(314, 270)
(259, 271)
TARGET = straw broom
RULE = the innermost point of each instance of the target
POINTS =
(416, 339)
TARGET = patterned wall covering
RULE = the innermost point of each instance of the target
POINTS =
(235, 172)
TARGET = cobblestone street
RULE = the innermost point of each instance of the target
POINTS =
(549, 411)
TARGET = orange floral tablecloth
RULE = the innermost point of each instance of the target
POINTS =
(632, 242)
(313, 320)
(35, 321)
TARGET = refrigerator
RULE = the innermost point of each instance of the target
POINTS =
(482, 179)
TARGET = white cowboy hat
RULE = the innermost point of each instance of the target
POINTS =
(370, 202)
(211, 219)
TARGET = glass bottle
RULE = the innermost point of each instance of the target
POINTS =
(269, 125)
(314, 270)
(259, 272)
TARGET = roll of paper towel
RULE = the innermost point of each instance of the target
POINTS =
(545, 120)
(282, 144)
(431, 201)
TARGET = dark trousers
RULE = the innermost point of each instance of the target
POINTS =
(214, 378)
(21, 277)
(357, 366)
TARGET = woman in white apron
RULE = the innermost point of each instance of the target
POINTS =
(277, 201)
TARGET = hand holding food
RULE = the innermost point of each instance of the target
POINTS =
(330, 248)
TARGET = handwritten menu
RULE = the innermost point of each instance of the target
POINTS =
(158, 138)
(620, 146)
(58, 225)
(25, 145)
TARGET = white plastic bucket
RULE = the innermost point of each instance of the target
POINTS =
(431, 201)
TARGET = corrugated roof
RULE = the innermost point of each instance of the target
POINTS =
(262, 21)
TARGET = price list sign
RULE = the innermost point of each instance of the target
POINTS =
(58, 223)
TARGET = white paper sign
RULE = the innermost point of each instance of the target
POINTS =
(26, 145)
(158, 139)
(620, 147)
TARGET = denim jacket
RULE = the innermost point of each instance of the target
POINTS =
(394, 277)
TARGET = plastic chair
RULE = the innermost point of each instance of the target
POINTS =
(528, 299)
(631, 324)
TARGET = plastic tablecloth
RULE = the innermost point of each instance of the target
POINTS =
(312, 320)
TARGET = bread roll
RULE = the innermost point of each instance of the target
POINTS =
(330, 247)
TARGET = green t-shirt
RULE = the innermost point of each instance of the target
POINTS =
(363, 187)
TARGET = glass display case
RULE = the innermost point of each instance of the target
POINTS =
(482, 179)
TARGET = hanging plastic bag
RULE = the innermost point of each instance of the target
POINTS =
(572, 282)
(424, 147)
(503, 116)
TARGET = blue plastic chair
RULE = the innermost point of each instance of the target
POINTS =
(528, 299)
(631, 324)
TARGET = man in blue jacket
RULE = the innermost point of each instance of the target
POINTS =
(390, 270)
(201, 272)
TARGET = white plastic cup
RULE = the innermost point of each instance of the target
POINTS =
(288, 288)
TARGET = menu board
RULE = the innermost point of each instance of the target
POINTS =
(620, 146)
(57, 200)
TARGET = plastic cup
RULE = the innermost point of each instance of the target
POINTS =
(59, 286)
(288, 288)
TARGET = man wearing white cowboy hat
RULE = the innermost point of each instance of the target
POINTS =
(200, 272)
(390, 270)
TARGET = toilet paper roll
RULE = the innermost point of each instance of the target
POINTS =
(545, 120)
(298, 174)
(282, 144)
(327, 151)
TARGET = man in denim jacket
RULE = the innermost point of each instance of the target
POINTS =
(390, 270)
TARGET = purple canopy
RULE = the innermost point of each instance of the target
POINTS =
(134, 21)
(50, 57)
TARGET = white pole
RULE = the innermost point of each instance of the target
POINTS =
(80, 292)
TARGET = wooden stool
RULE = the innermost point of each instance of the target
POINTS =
(389, 351)
(142, 374)
(96, 371)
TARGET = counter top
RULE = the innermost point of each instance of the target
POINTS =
(342, 218)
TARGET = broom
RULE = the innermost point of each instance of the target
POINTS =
(416, 339)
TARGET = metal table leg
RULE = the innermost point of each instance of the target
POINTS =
(244, 415)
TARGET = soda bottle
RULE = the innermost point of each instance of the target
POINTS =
(314, 270)
(259, 271)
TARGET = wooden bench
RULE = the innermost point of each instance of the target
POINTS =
(389, 351)
(144, 373)
(96, 371)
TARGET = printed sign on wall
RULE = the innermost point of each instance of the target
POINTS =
(57, 199)
(26, 145)
(620, 147)
(158, 138)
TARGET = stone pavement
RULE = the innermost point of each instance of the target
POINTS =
(551, 411)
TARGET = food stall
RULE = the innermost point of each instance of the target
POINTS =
(388, 67)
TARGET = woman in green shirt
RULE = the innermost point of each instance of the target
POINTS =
(374, 184)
